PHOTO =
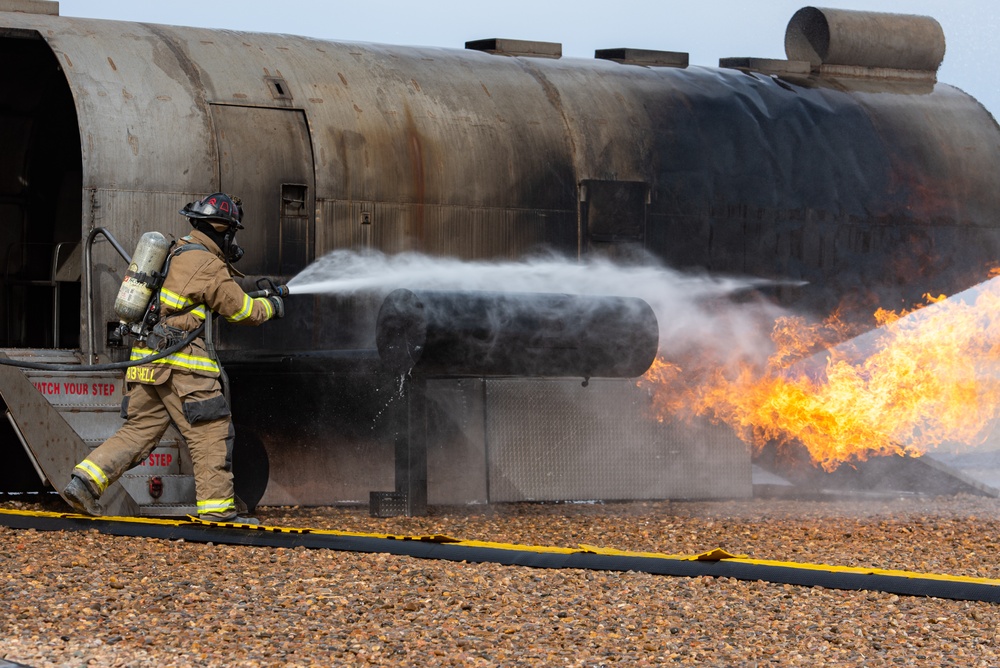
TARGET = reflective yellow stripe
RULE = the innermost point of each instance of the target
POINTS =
(216, 505)
(268, 306)
(178, 302)
(180, 360)
(244, 311)
(173, 300)
(95, 473)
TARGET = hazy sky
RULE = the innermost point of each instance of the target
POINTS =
(707, 29)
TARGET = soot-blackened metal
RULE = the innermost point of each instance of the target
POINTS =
(489, 334)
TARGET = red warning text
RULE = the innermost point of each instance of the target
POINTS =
(49, 388)
(159, 459)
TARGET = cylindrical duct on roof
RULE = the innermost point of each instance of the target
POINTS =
(864, 39)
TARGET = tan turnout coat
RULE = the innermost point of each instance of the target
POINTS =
(198, 282)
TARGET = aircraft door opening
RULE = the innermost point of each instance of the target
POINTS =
(40, 199)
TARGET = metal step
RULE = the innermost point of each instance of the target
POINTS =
(53, 445)
(44, 355)
(90, 403)
(166, 510)
(160, 494)
(81, 390)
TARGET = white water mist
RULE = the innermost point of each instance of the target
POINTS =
(694, 312)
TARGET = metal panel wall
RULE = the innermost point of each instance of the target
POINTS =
(522, 440)
(346, 447)
(456, 453)
(127, 214)
(471, 233)
(550, 440)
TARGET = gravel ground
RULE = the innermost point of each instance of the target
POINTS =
(80, 598)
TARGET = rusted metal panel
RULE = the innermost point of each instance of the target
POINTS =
(129, 82)
(461, 232)
(348, 225)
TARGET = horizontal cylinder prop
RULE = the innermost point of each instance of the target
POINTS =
(516, 334)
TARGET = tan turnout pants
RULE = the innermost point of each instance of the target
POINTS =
(194, 404)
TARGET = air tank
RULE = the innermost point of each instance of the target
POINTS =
(141, 277)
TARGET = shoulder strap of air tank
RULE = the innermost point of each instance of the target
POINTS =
(178, 250)
(174, 252)
(187, 247)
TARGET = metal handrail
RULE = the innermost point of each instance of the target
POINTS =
(89, 269)
(52, 281)
(55, 289)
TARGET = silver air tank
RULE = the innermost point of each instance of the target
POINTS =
(141, 277)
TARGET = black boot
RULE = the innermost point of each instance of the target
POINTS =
(78, 495)
(230, 518)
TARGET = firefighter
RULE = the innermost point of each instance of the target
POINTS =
(183, 388)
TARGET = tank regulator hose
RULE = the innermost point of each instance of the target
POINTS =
(111, 366)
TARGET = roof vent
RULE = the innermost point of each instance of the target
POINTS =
(766, 65)
(517, 47)
(856, 43)
(646, 57)
(278, 87)
(30, 6)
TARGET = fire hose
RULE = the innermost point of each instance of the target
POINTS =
(270, 289)
(111, 366)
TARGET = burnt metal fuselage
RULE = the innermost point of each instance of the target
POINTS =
(870, 192)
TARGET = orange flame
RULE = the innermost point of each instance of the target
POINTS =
(926, 377)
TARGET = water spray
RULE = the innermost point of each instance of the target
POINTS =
(695, 311)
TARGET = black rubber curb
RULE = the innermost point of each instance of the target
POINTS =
(449, 549)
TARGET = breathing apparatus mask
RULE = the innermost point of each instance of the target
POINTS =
(225, 239)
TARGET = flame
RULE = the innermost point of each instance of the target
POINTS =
(926, 377)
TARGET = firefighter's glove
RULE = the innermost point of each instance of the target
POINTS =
(279, 307)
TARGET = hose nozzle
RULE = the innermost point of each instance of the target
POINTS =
(268, 288)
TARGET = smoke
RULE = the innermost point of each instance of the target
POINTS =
(696, 313)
